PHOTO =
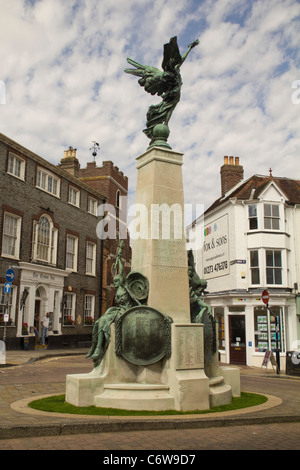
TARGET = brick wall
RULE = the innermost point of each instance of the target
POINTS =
(109, 180)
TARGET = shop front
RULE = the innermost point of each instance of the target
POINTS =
(247, 330)
(41, 291)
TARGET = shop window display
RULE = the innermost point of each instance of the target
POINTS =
(265, 328)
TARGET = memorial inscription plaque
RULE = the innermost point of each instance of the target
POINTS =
(189, 347)
(143, 335)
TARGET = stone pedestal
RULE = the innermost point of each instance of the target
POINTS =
(160, 251)
(178, 383)
(116, 383)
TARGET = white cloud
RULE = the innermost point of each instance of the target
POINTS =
(63, 62)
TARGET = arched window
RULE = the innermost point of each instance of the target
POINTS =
(45, 240)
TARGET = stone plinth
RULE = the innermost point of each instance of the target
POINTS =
(184, 371)
(160, 251)
(178, 383)
(116, 383)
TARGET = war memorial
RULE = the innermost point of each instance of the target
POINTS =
(155, 349)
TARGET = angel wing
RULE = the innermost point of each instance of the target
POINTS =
(152, 79)
(172, 55)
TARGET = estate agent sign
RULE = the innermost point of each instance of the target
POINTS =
(216, 248)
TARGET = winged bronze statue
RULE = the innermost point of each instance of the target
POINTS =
(165, 83)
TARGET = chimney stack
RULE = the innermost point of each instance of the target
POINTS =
(70, 162)
(231, 173)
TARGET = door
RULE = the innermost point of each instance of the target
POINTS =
(37, 308)
(237, 339)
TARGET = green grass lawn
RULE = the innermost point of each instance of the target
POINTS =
(57, 404)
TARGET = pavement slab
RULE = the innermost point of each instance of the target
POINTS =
(36, 373)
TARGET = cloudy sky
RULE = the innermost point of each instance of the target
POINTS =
(62, 63)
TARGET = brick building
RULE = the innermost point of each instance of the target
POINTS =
(48, 221)
(113, 184)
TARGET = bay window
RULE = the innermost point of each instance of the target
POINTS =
(271, 217)
(254, 266)
(273, 267)
(253, 221)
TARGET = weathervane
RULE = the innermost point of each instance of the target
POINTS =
(95, 149)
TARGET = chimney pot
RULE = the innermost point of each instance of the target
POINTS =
(230, 160)
(225, 160)
(237, 160)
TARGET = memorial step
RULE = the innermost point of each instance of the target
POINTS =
(219, 392)
(216, 380)
(135, 396)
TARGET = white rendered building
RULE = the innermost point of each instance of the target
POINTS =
(250, 241)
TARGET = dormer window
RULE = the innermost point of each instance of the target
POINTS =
(271, 217)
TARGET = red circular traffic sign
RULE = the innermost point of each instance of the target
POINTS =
(265, 297)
